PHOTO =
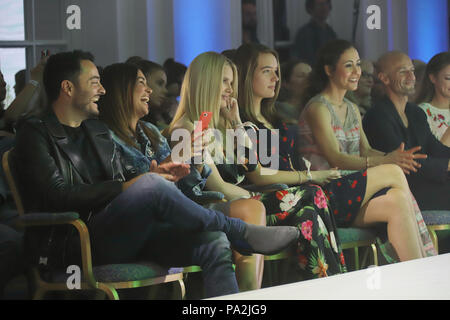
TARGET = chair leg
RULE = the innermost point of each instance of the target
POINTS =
(356, 251)
(179, 292)
(36, 284)
(38, 294)
(375, 254)
(111, 293)
(365, 257)
(434, 238)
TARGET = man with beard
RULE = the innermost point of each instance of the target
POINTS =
(393, 120)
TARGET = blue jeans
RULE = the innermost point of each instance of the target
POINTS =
(153, 220)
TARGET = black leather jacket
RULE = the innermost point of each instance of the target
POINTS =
(53, 178)
(52, 175)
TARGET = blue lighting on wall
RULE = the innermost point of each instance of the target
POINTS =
(199, 26)
(427, 28)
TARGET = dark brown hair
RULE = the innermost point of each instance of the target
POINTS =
(434, 66)
(116, 105)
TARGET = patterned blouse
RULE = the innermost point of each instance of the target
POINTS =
(347, 134)
(438, 119)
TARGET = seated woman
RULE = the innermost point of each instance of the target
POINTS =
(141, 143)
(362, 96)
(293, 74)
(211, 85)
(434, 96)
(331, 135)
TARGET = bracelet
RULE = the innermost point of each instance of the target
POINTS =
(308, 169)
(367, 163)
(300, 180)
(34, 83)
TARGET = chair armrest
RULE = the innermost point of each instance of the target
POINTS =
(266, 188)
(73, 218)
(209, 197)
(46, 219)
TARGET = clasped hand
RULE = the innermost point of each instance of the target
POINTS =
(406, 158)
(172, 171)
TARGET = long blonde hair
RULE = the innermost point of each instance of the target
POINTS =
(202, 88)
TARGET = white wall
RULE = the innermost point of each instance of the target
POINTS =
(160, 30)
(370, 43)
(113, 30)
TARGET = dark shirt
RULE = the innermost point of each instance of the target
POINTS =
(385, 131)
(279, 145)
(85, 150)
(309, 39)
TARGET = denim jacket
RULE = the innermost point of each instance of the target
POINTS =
(136, 162)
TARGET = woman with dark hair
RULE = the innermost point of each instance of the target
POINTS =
(160, 115)
(434, 96)
(331, 135)
(175, 73)
(293, 75)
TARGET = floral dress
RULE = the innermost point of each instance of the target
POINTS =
(319, 253)
(438, 119)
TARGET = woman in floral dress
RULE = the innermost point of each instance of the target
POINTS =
(303, 205)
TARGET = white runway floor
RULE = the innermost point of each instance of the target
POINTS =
(427, 278)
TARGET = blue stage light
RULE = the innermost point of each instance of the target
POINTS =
(199, 26)
(427, 28)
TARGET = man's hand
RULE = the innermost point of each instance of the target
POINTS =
(406, 158)
(171, 171)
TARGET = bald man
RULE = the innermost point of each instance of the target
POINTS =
(393, 120)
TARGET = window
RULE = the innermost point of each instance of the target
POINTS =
(27, 27)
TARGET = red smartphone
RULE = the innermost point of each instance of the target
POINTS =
(203, 121)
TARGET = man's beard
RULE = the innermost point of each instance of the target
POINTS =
(88, 112)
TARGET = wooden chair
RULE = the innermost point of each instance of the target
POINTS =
(107, 278)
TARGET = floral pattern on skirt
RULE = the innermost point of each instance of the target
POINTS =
(319, 253)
